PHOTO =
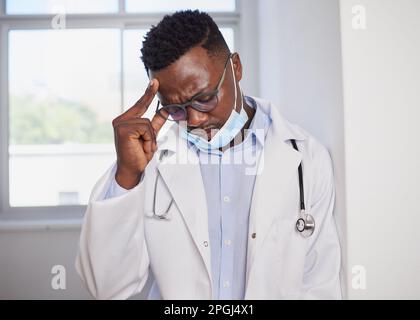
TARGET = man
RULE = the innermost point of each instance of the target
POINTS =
(209, 209)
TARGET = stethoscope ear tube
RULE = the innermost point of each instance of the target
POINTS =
(305, 224)
(164, 214)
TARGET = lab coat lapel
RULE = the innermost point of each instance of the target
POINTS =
(182, 175)
(278, 165)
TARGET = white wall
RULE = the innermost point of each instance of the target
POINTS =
(26, 259)
(27, 255)
(381, 78)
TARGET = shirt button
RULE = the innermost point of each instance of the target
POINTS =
(226, 199)
(226, 284)
(206, 244)
(228, 242)
(254, 235)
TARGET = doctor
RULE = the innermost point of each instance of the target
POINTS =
(215, 207)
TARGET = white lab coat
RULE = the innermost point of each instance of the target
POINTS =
(122, 244)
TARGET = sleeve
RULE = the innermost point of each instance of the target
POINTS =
(323, 260)
(112, 259)
(115, 190)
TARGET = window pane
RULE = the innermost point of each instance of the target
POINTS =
(229, 38)
(60, 6)
(64, 91)
(171, 5)
(135, 77)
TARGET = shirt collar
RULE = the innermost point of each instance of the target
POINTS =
(260, 123)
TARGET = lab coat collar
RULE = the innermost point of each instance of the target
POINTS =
(282, 129)
(180, 170)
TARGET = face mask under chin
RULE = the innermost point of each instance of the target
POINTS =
(226, 134)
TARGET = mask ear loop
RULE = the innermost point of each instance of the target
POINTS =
(240, 89)
(234, 83)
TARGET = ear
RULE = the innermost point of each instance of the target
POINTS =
(237, 66)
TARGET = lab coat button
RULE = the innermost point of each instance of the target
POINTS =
(206, 244)
(254, 235)
(228, 242)
(226, 199)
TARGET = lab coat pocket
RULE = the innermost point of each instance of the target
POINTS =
(310, 262)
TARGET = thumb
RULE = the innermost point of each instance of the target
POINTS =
(159, 120)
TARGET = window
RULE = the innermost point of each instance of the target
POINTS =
(171, 5)
(60, 89)
(69, 6)
(63, 91)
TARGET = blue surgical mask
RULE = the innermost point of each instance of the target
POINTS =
(226, 133)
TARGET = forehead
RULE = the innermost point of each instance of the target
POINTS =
(192, 73)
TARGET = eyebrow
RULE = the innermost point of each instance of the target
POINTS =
(202, 91)
(206, 90)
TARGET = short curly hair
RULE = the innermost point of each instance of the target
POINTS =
(176, 34)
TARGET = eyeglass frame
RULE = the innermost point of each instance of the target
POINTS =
(184, 106)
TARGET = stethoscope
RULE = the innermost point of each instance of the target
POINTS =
(305, 224)
(164, 215)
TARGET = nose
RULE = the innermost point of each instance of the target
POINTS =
(195, 118)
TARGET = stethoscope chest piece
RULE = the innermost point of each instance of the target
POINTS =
(305, 225)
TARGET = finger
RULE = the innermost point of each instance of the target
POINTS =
(141, 132)
(144, 132)
(140, 107)
(149, 156)
(138, 122)
(148, 146)
(159, 120)
(143, 124)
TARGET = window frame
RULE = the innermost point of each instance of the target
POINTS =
(122, 21)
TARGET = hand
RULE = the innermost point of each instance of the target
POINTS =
(135, 139)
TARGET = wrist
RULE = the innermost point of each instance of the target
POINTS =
(127, 180)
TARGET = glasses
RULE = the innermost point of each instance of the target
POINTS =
(203, 102)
